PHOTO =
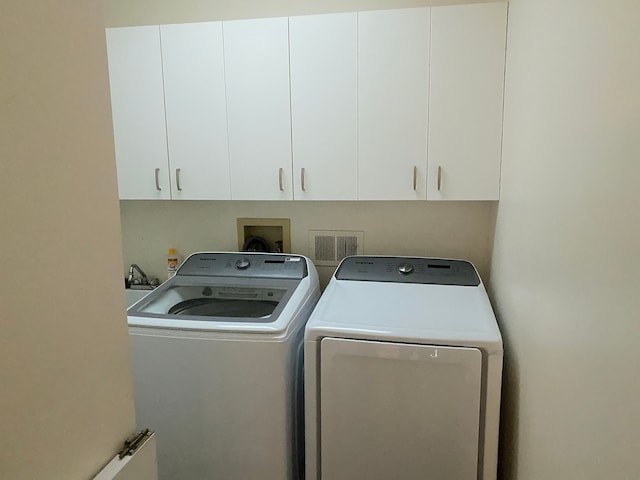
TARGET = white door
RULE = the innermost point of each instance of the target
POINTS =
(395, 410)
(137, 103)
(324, 106)
(393, 85)
(465, 119)
(256, 54)
(196, 110)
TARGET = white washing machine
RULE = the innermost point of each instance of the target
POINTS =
(403, 368)
(217, 365)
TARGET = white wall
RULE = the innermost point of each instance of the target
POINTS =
(65, 386)
(566, 267)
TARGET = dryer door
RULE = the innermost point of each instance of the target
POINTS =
(394, 410)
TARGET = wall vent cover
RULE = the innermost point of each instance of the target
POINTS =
(328, 247)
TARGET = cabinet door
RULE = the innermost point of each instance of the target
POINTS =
(196, 110)
(465, 121)
(393, 85)
(324, 106)
(256, 54)
(137, 104)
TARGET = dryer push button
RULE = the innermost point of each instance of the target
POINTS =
(405, 268)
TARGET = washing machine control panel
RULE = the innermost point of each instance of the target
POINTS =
(408, 270)
(244, 264)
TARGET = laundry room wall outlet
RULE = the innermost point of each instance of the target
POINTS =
(275, 233)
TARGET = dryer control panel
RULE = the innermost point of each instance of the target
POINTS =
(434, 271)
(244, 264)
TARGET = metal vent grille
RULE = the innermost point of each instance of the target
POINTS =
(328, 248)
(325, 248)
(346, 246)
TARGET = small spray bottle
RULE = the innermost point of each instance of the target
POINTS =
(172, 263)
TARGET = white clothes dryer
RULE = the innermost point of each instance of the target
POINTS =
(217, 365)
(403, 368)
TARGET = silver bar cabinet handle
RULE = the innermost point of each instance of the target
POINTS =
(302, 179)
(158, 180)
(178, 179)
(280, 172)
(439, 177)
(415, 177)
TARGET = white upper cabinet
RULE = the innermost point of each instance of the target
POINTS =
(137, 103)
(256, 54)
(196, 110)
(393, 85)
(378, 105)
(324, 106)
(466, 94)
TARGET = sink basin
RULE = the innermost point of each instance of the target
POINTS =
(135, 294)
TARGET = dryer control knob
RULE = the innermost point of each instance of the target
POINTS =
(405, 268)
(243, 264)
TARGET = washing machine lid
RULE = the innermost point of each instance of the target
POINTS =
(416, 300)
(226, 291)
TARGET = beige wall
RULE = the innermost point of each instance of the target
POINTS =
(566, 267)
(65, 386)
(119, 13)
(447, 229)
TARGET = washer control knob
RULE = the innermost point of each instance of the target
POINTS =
(243, 264)
(405, 268)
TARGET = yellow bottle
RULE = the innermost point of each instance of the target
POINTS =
(172, 263)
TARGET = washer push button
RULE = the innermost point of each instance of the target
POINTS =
(243, 263)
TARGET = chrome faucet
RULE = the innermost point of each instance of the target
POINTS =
(143, 276)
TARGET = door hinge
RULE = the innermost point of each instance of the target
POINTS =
(134, 442)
